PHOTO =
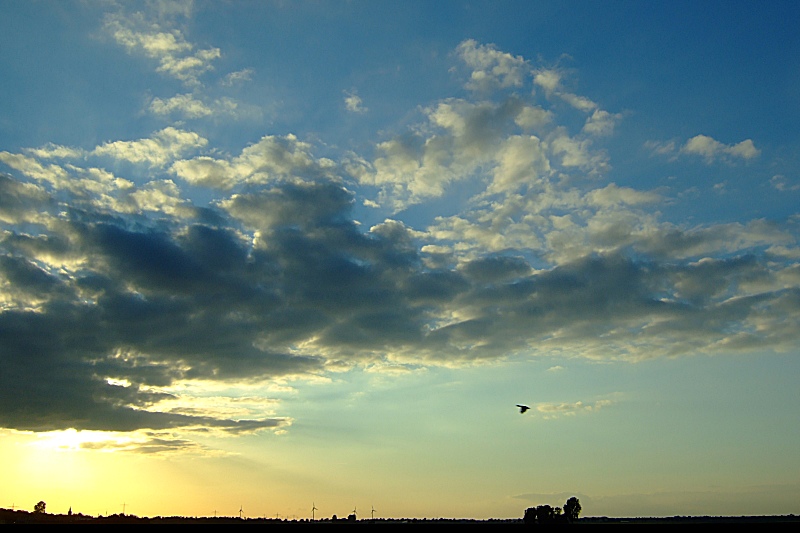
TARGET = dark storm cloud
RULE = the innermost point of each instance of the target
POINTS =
(19, 200)
(101, 311)
(501, 268)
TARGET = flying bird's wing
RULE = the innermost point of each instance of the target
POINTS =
(522, 408)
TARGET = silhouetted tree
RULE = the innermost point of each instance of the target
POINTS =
(572, 508)
(545, 514)
(530, 515)
(39, 507)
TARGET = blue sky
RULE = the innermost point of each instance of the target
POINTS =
(265, 255)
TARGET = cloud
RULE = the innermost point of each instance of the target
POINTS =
(553, 410)
(533, 117)
(710, 149)
(176, 56)
(521, 159)
(548, 79)
(491, 68)
(55, 151)
(577, 152)
(286, 284)
(488, 139)
(459, 139)
(160, 149)
(353, 103)
(20, 202)
(661, 148)
(780, 183)
(601, 123)
(184, 104)
(272, 158)
(31, 167)
(238, 77)
(612, 195)
(116, 297)
(581, 103)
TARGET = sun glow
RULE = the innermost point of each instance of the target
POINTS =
(74, 440)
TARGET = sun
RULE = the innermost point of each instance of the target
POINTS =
(72, 440)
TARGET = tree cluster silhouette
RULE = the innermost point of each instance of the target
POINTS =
(545, 514)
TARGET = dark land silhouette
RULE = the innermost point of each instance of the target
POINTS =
(532, 516)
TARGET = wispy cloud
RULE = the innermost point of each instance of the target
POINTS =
(353, 103)
(554, 410)
(183, 104)
(176, 56)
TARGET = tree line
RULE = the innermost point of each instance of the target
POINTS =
(544, 514)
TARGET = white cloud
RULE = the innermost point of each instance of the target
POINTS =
(665, 148)
(780, 183)
(548, 79)
(188, 107)
(208, 172)
(576, 152)
(521, 159)
(240, 76)
(354, 104)
(159, 196)
(601, 123)
(176, 56)
(712, 150)
(183, 104)
(460, 138)
(188, 68)
(164, 146)
(31, 167)
(532, 117)
(414, 167)
(270, 159)
(55, 151)
(466, 140)
(492, 68)
(578, 102)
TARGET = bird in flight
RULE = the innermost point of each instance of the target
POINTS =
(522, 408)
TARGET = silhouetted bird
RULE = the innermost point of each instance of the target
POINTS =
(522, 408)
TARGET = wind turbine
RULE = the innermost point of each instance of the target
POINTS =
(313, 508)
(354, 513)
(240, 512)
(373, 512)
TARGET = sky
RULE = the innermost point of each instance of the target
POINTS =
(278, 256)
